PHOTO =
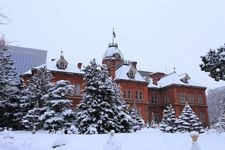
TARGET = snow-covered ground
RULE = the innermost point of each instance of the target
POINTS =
(146, 139)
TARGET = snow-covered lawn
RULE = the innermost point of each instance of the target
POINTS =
(146, 139)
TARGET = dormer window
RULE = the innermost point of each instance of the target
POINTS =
(184, 78)
(131, 74)
(116, 56)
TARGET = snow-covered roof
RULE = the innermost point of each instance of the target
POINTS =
(51, 66)
(174, 78)
(27, 72)
(111, 51)
(151, 85)
(184, 75)
(121, 74)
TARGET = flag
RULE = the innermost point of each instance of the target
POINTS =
(114, 34)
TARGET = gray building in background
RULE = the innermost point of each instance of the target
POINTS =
(26, 58)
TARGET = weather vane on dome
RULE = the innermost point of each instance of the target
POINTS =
(174, 69)
(113, 37)
(61, 54)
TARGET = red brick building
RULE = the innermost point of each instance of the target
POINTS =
(149, 92)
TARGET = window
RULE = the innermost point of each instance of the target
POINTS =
(116, 55)
(136, 94)
(130, 74)
(127, 94)
(202, 116)
(166, 99)
(124, 94)
(154, 100)
(77, 89)
(139, 95)
(200, 100)
(181, 97)
(191, 99)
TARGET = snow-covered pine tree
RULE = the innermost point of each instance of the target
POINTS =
(9, 99)
(101, 110)
(214, 63)
(168, 122)
(58, 112)
(188, 121)
(38, 85)
(126, 121)
(220, 125)
(138, 123)
(19, 112)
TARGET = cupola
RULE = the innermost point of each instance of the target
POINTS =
(113, 51)
(62, 63)
(113, 57)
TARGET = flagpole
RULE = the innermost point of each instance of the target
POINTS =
(113, 37)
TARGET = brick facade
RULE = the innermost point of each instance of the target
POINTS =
(149, 100)
(177, 95)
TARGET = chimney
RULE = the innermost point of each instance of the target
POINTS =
(79, 65)
(134, 64)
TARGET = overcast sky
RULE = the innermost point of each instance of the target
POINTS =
(158, 34)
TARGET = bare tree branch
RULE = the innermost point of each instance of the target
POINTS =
(4, 19)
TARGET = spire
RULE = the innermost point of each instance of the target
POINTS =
(113, 44)
(61, 54)
(113, 37)
(174, 69)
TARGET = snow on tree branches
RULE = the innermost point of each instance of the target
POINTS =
(58, 113)
(102, 108)
(188, 121)
(138, 123)
(9, 99)
(168, 123)
(38, 85)
(214, 63)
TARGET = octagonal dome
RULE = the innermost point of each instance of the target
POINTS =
(113, 52)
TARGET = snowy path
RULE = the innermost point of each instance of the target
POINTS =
(147, 139)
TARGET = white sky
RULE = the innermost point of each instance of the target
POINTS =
(159, 34)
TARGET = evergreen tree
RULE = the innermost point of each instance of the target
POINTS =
(220, 125)
(19, 110)
(138, 123)
(38, 85)
(168, 123)
(126, 121)
(31, 119)
(214, 63)
(188, 121)
(58, 112)
(9, 99)
(101, 109)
